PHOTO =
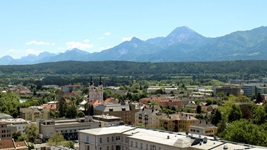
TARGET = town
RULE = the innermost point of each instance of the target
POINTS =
(159, 117)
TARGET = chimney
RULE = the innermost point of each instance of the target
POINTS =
(168, 137)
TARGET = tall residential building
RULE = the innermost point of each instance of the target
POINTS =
(227, 90)
(34, 112)
(6, 130)
(148, 117)
(118, 110)
(95, 93)
(177, 122)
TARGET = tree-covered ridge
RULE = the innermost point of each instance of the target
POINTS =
(133, 68)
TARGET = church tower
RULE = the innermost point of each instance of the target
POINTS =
(91, 90)
(100, 90)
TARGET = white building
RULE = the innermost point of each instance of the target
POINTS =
(19, 123)
(95, 93)
(134, 138)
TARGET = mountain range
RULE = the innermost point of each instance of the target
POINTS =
(181, 45)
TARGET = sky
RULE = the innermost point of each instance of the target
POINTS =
(35, 26)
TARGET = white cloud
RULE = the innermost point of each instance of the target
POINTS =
(86, 41)
(32, 51)
(38, 43)
(127, 38)
(79, 45)
(107, 33)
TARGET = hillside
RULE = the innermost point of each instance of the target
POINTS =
(181, 45)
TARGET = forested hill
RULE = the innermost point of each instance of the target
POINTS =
(140, 68)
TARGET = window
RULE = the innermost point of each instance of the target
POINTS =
(107, 139)
(136, 144)
(111, 109)
(87, 138)
(131, 143)
(112, 139)
(141, 145)
(100, 140)
(107, 147)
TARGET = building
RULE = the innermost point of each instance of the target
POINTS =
(227, 90)
(95, 93)
(107, 120)
(10, 144)
(118, 110)
(164, 101)
(70, 88)
(130, 138)
(5, 116)
(134, 138)
(18, 123)
(6, 130)
(68, 127)
(34, 112)
(149, 117)
(177, 122)
(203, 127)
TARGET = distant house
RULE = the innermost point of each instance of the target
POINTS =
(203, 127)
(177, 122)
(210, 108)
(227, 90)
(34, 112)
(164, 101)
(70, 88)
(10, 144)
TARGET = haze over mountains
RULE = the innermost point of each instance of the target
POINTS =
(181, 45)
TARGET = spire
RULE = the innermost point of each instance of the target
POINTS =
(91, 81)
(100, 81)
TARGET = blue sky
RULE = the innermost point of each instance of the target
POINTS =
(33, 26)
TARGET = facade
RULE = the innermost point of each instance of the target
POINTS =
(148, 117)
(164, 101)
(95, 93)
(177, 122)
(70, 88)
(6, 130)
(130, 138)
(107, 120)
(18, 123)
(227, 90)
(133, 138)
(68, 127)
(118, 110)
(34, 112)
(203, 127)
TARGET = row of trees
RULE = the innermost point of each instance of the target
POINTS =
(244, 122)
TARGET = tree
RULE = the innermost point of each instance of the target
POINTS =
(62, 107)
(56, 139)
(235, 113)
(69, 144)
(259, 98)
(199, 109)
(71, 112)
(80, 114)
(243, 131)
(259, 115)
(216, 116)
(31, 132)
